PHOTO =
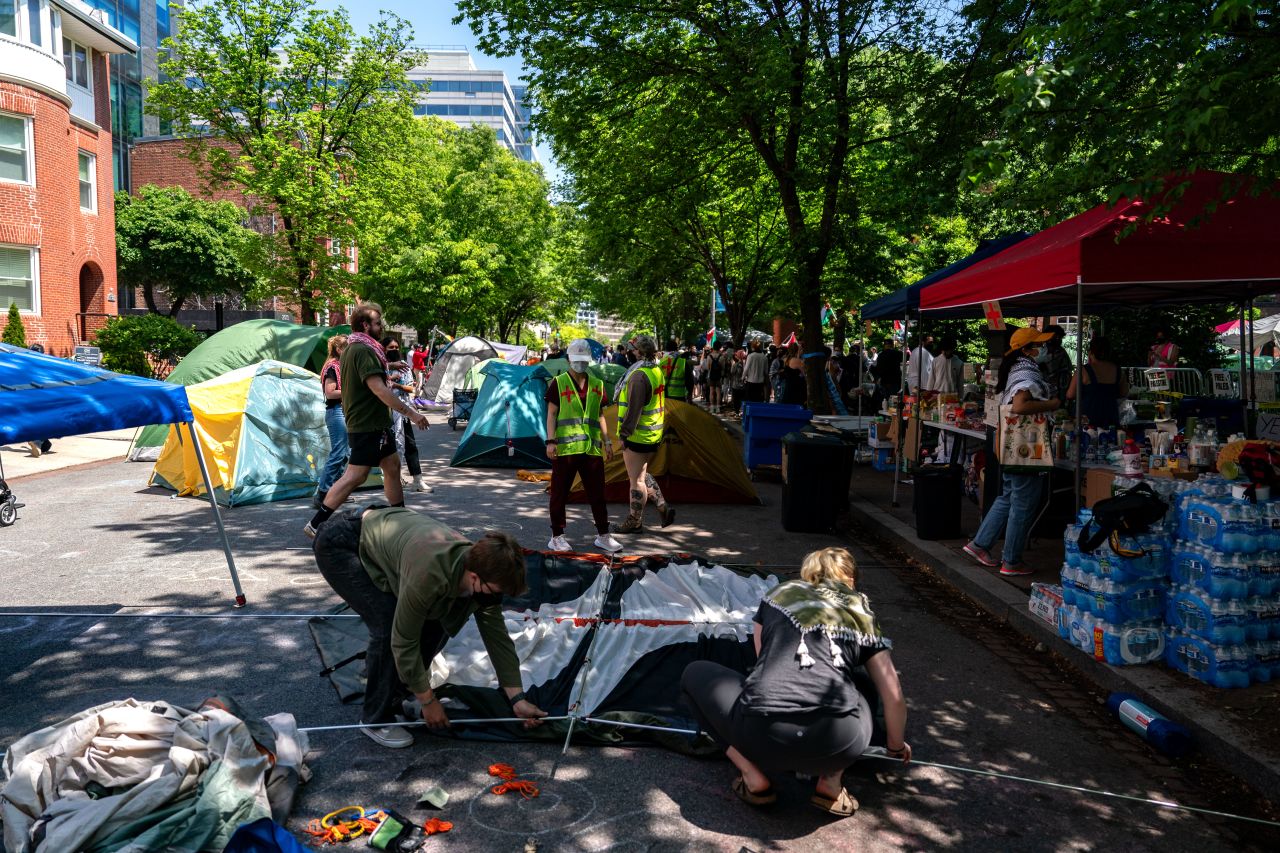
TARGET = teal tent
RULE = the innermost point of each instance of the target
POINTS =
(250, 342)
(508, 426)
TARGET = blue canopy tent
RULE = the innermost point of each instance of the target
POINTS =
(46, 397)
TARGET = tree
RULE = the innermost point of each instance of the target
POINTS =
(285, 101)
(144, 344)
(813, 88)
(15, 333)
(464, 238)
(186, 247)
(1115, 95)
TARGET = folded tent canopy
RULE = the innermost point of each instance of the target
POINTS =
(46, 397)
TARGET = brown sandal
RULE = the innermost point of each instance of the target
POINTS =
(842, 806)
(763, 798)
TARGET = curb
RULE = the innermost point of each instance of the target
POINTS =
(1216, 737)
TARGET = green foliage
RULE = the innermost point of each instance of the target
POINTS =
(15, 333)
(1132, 332)
(186, 247)
(286, 102)
(1113, 95)
(137, 343)
(464, 238)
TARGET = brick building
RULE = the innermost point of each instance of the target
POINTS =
(163, 162)
(57, 220)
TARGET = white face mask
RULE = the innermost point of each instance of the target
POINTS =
(579, 366)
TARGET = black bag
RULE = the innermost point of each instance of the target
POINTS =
(1130, 512)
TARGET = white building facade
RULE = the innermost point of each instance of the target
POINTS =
(453, 88)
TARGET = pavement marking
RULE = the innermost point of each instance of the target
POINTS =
(486, 797)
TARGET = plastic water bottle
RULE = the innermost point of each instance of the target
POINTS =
(1257, 618)
(1156, 729)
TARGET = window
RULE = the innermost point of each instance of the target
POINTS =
(9, 18)
(88, 184)
(15, 148)
(35, 23)
(335, 247)
(75, 58)
(18, 266)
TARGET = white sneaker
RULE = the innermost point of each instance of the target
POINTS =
(606, 542)
(419, 485)
(559, 543)
(392, 737)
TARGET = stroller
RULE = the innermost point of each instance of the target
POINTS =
(9, 505)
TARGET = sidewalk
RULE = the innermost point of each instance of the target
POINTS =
(1236, 728)
(67, 452)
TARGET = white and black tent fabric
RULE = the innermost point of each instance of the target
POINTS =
(592, 640)
(450, 368)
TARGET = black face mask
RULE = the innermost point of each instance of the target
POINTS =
(393, 355)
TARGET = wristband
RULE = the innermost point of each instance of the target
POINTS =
(902, 748)
(549, 441)
(516, 699)
(432, 701)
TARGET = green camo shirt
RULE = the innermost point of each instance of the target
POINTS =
(419, 561)
(363, 411)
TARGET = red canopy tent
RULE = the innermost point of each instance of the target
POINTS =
(1229, 254)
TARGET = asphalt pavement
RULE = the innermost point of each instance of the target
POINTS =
(96, 540)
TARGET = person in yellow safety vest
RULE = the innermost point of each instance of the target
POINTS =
(578, 442)
(677, 369)
(640, 426)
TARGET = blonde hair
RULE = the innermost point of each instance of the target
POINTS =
(835, 564)
(336, 345)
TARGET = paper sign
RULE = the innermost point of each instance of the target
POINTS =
(1269, 426)
(88, 355)
(1222, 383)
(1157, 379)
(995, 320)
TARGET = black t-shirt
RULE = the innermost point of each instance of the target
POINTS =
(777, 684)
(330, 372)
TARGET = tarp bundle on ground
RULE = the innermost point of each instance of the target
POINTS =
(262, 432)
(135, 777)
(241, 345)
(46, 397)
(697, 462)
(510, 407)
(613, 642)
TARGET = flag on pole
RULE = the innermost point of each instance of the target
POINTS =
(711, 337)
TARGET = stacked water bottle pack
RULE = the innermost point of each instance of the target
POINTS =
(1202, 590)
(1112, 604)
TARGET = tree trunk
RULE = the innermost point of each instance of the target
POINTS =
(815, 367)
(175, 306)
(840, 329)
(149, 297)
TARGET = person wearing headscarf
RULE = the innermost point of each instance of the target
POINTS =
(800, 709)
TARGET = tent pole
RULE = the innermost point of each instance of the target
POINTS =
(902, 396)
(217, 515)
(862, 360)
(1246, 316)
(1253, 373)
(1079, 387)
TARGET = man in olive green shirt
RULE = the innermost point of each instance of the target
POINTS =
(415, 582)
(367, 403)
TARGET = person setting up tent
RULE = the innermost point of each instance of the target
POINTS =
(415, 582)
(640, 425)
(367, 403)
(578, 442)
(800, 710)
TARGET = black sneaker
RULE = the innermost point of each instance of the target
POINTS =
(628, 526)
(668, 515)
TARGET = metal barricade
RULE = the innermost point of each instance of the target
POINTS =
(1186, 381)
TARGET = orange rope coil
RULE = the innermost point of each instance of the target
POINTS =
(510, 783)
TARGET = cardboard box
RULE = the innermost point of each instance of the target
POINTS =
(911, 444)
(1097, 485)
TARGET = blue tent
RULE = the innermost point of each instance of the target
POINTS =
(906, 301)
(508, 425)
(46, 397)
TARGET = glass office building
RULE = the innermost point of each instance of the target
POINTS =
(147, 22)
(454, 89)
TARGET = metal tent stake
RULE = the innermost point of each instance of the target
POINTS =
(241, 601)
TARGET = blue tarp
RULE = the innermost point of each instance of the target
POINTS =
(901, 303)
(46, 397)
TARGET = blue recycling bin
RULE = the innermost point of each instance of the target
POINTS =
(764, 425)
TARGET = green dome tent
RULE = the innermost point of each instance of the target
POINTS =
(243, 344)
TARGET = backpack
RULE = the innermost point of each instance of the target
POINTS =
(1130, 512)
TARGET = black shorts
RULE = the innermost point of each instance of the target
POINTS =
(368, 449)
(636, 447)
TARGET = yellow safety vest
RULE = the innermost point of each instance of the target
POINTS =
(578, 428)
(649, 427)
(676, 369)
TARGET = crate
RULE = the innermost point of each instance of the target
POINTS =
(882, 458)
(773, 420)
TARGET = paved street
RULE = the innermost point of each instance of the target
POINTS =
(97, 538)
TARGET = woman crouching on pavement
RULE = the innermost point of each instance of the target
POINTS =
(799, 710)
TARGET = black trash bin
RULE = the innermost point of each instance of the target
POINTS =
(939, 489)
(815, 481)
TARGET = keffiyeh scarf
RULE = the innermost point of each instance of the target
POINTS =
(371, 343)
(831, 608)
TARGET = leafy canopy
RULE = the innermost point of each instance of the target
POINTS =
(15, 334)
(141, 343)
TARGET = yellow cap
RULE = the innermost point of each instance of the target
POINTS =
(1026, 337)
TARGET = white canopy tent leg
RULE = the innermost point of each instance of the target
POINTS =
(217, 515)
(902, 424)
